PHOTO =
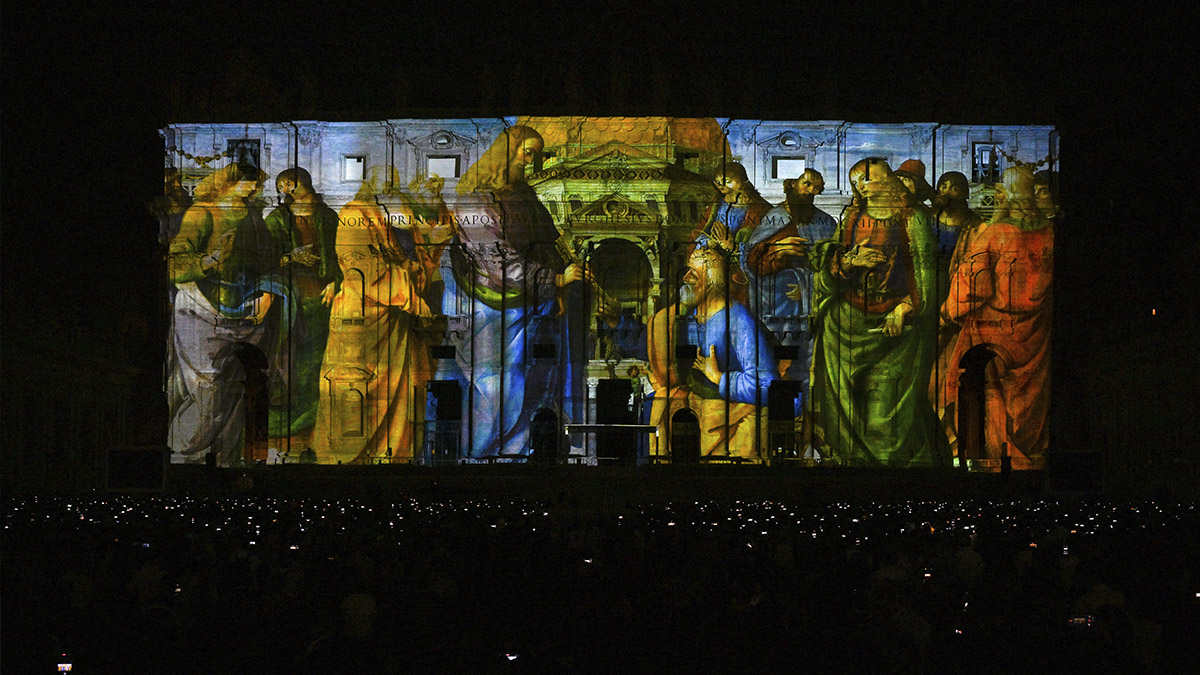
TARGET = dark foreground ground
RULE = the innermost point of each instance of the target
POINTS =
(576, 569)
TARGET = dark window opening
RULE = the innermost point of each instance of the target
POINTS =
(441, 351)
(685, 437)
(687, 160)
(986, 165)
(784, 398)
(446, 400)
(543, 436)
(246, 153)
(443, 421)
(614, 401)
(787, 352)
(686, 352)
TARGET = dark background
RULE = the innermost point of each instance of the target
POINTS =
(86, 88)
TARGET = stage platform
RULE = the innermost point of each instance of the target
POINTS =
(602, 486)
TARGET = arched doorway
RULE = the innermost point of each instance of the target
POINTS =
(622, 269)
(443, 421)
(543, 436)
(614, 405)
(256, 402)
(685, 437)
(977, 368)
(784, 409)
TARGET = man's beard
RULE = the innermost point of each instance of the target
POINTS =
(515, 175)
(801, 208)
(688, 297)
(939, 202)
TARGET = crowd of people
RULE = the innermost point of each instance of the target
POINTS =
(442, 583)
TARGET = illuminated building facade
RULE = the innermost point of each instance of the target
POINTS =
(636, 289)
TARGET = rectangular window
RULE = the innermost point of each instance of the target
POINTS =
(986, 165)
(686, 352)
(787, 167)
(245, 152)
(688, 160)
(446, 166)
(441, 352)
(350, 412)
(783, 400)
(787, 352)
(354, 168)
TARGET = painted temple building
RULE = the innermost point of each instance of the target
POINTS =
(592, 289)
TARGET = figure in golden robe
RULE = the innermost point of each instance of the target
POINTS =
(375, 359)
(726, 384)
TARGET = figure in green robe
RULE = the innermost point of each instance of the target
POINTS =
(304, 230)
(875, 288)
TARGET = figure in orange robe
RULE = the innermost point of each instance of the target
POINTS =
(1000, 294)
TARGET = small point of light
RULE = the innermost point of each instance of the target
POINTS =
(511, 657)
(1153, 312)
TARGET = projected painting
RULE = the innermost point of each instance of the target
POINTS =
(626, 290)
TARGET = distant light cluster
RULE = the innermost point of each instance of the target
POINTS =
(151, 521)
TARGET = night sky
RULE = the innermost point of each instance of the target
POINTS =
(85, 89)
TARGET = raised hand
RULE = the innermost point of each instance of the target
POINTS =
(262, 305)
(863, 256)
(213, 260)
(790, 247)
(894, 323)
(574, 272)
(708, 365)
(301, 255)
(719, 234)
